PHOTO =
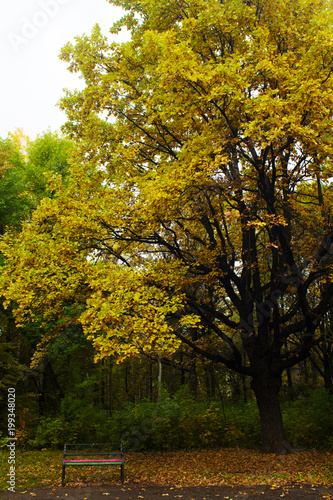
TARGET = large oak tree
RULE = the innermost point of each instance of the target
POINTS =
(199, 208)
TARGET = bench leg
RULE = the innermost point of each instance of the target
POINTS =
(63, 475)
(122, 473)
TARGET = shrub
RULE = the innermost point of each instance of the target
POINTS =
(181, 422)
(308, 421)
(78, 422)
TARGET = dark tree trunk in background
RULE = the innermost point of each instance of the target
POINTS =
(193, 379)
(110, 377)
(327, 351)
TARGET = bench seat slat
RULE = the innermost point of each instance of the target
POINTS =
(111, 460)
(93, 463)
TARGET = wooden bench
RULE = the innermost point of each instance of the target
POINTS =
(78, 455)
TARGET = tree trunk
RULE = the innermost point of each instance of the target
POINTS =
(328, 364)
(193, 379)
(110, 370)
(159, 379)
(266, 386)
(171, 378)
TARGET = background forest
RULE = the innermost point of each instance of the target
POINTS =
(166, 266)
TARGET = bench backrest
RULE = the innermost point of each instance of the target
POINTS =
(91, 449)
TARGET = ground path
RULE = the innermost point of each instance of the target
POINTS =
(155, 492)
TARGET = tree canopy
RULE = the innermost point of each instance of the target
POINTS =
(13, 200)
(198, 211)
(24, 167)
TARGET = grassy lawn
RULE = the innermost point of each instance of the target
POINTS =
(203, 467)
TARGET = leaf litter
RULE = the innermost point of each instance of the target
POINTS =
(215, 467)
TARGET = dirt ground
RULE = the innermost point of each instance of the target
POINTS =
(154, 492)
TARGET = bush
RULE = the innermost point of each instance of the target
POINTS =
(243, 425)
(79, 421)
(182, 422)
(308, 421)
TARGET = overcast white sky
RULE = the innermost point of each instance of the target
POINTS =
(33, 77)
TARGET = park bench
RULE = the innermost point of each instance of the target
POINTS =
(86, 454)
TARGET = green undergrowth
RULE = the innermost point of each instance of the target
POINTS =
(182, 423)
